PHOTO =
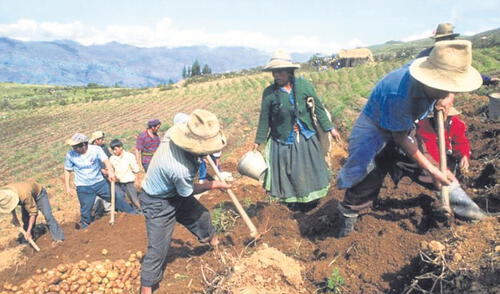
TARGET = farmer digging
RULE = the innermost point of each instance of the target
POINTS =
(397, 101)
(32, 198)
(168, 189)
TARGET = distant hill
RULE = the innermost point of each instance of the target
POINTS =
(70, 63)
(485, 39)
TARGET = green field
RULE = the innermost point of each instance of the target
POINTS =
(39, 118)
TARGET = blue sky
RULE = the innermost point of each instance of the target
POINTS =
(299, 26)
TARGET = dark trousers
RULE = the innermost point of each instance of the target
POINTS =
(388, 161)
(87, 195)
(161, 215)
(43, 204)
(129, 190)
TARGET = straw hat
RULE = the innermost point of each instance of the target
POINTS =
(96, 135)
(448, 67)
(77, 139)
(452, 112)
(280, 60)
(444, 30)
(201, 134)
(8, 200)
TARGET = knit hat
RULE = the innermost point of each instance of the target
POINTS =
(153, 123)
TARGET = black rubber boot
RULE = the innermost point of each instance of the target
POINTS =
(348, 218)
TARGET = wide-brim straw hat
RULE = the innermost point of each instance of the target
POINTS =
(77, 139)
(280, 60)
(452, 112)
(444, 30)
(200, 135)
(448, 67)
(8, 200)
(96, 135)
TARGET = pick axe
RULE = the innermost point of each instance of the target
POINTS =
(253, 231)
(112, 215)
(445, 197)
(32, 243)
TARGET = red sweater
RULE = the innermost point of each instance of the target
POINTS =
(457, 143)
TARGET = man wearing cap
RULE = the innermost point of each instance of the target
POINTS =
(168, 189)
(147, 143)
(85, 161)
(444, 31)
(397, 101)
(33, 198)
(97, 138)
(125, 167)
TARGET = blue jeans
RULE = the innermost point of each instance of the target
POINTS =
(43, 204)
(202, 170)
(87, 195)
(161, 215)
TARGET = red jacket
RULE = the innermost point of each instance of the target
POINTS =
(457, 143)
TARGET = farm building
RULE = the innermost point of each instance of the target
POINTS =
(352, 57)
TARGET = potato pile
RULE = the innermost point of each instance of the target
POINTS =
(121, 276)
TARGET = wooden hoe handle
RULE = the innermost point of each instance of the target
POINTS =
(241, 211)
(445, 197)
(32, 243)
(113, 204)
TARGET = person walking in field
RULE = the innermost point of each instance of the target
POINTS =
(97, 138)
(32, 198)
(147, 143)
(297, 173)
(444, 32)
(85, 161)
(168, 190)
(125, 166)
(397, 101)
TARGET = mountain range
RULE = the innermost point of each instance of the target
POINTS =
(70, 63)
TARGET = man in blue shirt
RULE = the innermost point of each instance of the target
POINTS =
(399, 100)
(85, 161)
(168, 189)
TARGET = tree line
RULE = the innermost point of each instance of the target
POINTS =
(195, 70)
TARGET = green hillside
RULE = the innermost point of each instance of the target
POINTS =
(34, 129)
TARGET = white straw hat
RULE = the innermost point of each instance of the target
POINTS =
(8, 200)
(280, 60)
(448, 67)
(201, 134)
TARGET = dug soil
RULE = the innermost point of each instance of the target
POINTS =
(297, 251)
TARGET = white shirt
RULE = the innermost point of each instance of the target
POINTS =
(125, 166)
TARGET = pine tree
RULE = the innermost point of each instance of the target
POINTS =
(184, 72)
(189, 72)
(206, 70)
(195, 68)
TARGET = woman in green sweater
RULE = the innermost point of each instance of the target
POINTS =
(297, 169)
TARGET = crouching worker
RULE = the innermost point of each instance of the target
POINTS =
(168, 189)
(85, 161)
(397, 101)
(456, 142)
(32, 198)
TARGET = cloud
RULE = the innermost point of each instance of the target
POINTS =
(165, 34)
(418, 36)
